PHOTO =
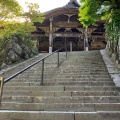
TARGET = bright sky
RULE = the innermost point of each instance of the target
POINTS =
(45, 5)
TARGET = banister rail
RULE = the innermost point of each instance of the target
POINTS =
(2, 81)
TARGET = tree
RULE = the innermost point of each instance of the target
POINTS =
(33, 14)
(87, 16)
(8, 26)
(108, 10)
(87, 12)
(9, 9)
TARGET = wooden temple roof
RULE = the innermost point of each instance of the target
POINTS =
(60, 14)
(66, 17)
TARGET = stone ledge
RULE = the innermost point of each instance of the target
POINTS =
(112, 68)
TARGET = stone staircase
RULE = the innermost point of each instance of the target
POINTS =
(80, 89)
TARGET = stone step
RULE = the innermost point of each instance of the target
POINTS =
(46, 80)
(35, 73)
(67, 99)
(58, 83)
(70, 70)
(67, 107)
(85, 83)
(61, 80)
(83, 79)
(68, 76)
(84, 67)
(58, 115)
(80, 89)
(27, 84)
(80, 76)
(58, 93)
(63, 88)
(83, 72)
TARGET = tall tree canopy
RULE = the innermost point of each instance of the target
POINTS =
(9, 13)
(108, 10)
(10, 10)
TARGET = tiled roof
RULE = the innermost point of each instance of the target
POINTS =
(72, 4)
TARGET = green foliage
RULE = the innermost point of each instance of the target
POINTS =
(29, 42)
(88, 12)
(113, 26)
(109, 10)
(9, 27)
(34, 15)
(9, 9)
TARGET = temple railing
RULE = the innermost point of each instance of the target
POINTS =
(2, 81)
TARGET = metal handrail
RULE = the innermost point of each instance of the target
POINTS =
(2, 82)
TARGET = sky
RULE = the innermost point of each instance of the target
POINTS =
(45, 5)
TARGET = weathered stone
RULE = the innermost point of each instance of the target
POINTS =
(16, 50)
(3, 65)
(13, 56)
(113, 57)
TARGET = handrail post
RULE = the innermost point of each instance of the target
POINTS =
(42, 76)
(58, 60)
(1, 88)
(66, 51)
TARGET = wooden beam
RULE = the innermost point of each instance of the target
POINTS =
(67, 35)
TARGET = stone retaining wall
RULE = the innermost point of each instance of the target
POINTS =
(113, 50)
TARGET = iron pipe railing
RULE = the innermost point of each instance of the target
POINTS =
(58, 60)
(42, 76)
(21, 71)
(2, 81)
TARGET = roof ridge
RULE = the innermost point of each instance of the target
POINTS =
(71, 4)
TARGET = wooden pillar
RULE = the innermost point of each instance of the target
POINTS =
(78, 46)
(51, 36)
(86, 39)
(70, 46)
(65, 43)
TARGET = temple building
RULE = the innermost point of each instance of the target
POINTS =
(61, 26)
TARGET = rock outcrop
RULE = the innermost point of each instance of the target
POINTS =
(16, 50)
